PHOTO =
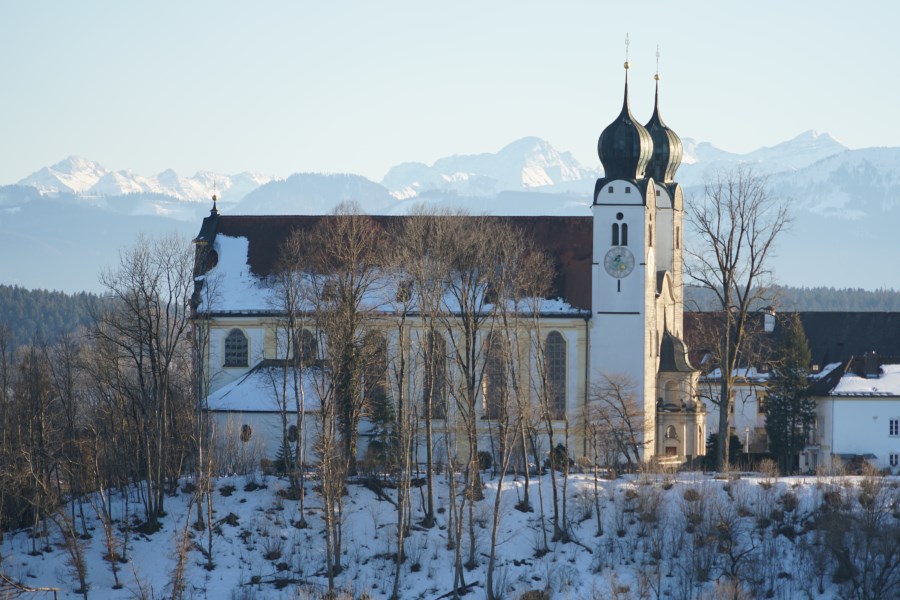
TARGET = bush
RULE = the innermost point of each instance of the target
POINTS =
(559, 459)
(485, 460)
(691, 495)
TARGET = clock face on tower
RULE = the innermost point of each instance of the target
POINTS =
(619, 262)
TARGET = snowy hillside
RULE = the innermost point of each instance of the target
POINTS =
(684, 537)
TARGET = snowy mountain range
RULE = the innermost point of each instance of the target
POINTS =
(834, 191)
(76, 175)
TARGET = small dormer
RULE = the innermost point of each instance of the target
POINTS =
(871, 366)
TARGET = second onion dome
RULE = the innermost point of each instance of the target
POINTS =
(625, 146)
(667, 149)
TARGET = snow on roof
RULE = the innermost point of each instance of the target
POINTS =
(825, 370)
(886, 384)
(231, 287)
(751, 374)
(260, 391)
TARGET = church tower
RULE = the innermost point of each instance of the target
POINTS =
(637, 289)
(623, 321)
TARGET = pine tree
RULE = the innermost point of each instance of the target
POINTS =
(790, 411)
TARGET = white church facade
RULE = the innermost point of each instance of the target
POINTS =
(614, 313)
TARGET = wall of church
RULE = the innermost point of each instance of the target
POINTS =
(267, 341)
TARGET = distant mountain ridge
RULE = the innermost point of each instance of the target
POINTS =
(76, 175)
(836, 194)
(527, 163)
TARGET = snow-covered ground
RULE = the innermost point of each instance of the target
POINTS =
(663, 536)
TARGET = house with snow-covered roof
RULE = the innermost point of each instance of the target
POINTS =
(614, 310)
(855, 358)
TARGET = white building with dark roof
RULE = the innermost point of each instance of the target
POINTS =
(614, 310)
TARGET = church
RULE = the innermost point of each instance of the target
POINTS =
(614, 310)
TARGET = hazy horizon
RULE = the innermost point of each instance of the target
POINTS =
(359, 87)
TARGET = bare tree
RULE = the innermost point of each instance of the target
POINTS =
(345, 260)
(617, 417)
(735, 227)
(424, 261)
(147, 322)
(342, 269)
(549, 391)
(300, 350)
(521, 281)
(403, 390)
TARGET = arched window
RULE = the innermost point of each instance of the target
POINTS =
(615, 234)
(375, 375)
(246, 433)
(435, 381)
(624, 234)
(305, 348)
(495, 385)
(650, 235)
(236, 349)
(292, 433)
(671, 433)
(555, 364)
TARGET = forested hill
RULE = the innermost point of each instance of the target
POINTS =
(805, 299)
(41, 315)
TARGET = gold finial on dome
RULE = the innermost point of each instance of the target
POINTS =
(656, 77)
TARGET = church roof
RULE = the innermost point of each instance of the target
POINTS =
(567, 240)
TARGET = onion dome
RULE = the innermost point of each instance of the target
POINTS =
(625, 145)
(667, 150)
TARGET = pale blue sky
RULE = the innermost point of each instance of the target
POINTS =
(282, 87)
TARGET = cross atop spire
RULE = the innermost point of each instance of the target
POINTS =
(627, 43)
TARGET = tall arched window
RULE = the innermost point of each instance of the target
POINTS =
(305, 348)
(495, 385)
(624, 234)
(236, 349)
(615, 234)
(375, 375)
(435, 381)
(555, 364)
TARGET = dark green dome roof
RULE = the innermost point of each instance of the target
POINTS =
(667, 149)
(625, 146)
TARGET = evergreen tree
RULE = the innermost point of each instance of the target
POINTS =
(790, 411)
